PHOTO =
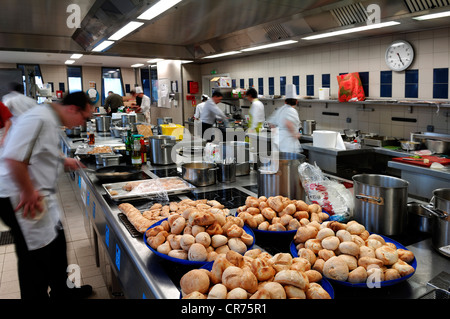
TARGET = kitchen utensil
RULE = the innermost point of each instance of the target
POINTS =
(73, 132)
(278, 175)
(440, 208)
(240, 151)
(199, 173)
(438, 147)
(308, 127)
(103, 123)
(351, 133)
(129, 120)
(409, 145)
(112, 174)
(111, 160)
(381, 203)
(419, 219)
(226, 172)
(161, 147)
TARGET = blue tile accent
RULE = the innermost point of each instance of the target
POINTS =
(261, 86)
(310, 79)
(271, 86)
(242, 84)
(250, 83)
(440, 91)
(296, 82)
(440, 76)
(386, 90)
(310, 85)
(326, 80)
(412, 76)
(282, 85)
(412, 90)
(386, 77)
(364, 76)
(233, 83)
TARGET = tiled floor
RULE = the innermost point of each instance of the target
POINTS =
(79, 250)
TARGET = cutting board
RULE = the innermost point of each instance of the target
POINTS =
(419, 161)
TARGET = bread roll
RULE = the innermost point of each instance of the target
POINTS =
(343, 235)
(290, 209)
(304, 233)
(203, 238)
(325, 232)
(366, 261)
(214, 229)
(349, 248)
(293, 278)
(275, 203)
(261, 294)
(212, 255)
(351, 261)
(315, 291)
(264, 225)
(387, 255)
(301, 205)
(281, 261)
(308, 254)
(218, 291)
(237, 245)
(194, 295)
(377, 237)
(164, 248)
(300, 264)
(293, 292)
(331, 242)
(218, 240)
(403, 268)
(355, 228)
(391, 274)
(325, 254)
(235, 258)
(313, 275)
(247, 239)
(178, 253)
(268, 213)
(318, 265)
(186, 241)
(237, 293)
(301, 215)
(336, 269)
(373, 243)
(275, 290)
(405, 255)
(222, 249)
(375, 275)
(366, 251)
(195, 280)
(294, 224)
(218, 267)
(249, 219)
(357, 275)
(314, 208)
(314, 244)
(358, 240)
(197, 252)
(252, 253)
(234, 231)
(262, 269)
(197, 229)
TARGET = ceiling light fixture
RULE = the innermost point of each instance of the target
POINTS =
(69, 62)
(433, 16)
(76, 56)
(158, 8)
(352, 30)
(155, 60)
(271, 45)
(127, 29)
(221, 54)
(138, 65)
(186, 61)
(102, 46)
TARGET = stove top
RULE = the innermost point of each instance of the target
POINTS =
(166, 172)
(230, 197)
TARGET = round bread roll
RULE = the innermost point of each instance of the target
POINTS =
(218, 291)
(325, 254)
(351, 261)
(308, 254)
(318, 265)
(300, 264)
(248, 280)
(375, 275)
(264, 225)
(405, 255)
(247, 239)
(275, 290)
(330, 242)
(178, 253)
(355, 228)
(304, 233)
(377, 237)
(235, 231)
(293, 292)
(366, 261)
(261, 294)
(373, 243)
(237, 293)
(235, 258)
(357, 275)
(349, 248)
(403, 268)
(164, 248)
(336, 269)
(293, 224)
(325, 232)
(219, 265)
(218, 240)
(186, 241)
(174, 242)
(195, 295)
(197, 229)
(187, 230)
(237, 245)
(285, 219)
(203, 238)
(315, 291)
(195, 280)
(262, 269)
(281, 261)
(358, 240)
(214, 229)
(293, 278)
(231, 277)
(268, 213)
(387, 255)
(222, 249)
(366, 251)
(301, 205)
(197, 252)
(343, 235)
(313, 275)
(212, 255)
(391, 274)
(253, 253)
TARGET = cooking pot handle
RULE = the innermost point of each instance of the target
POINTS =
(378, 200)
(436, 212)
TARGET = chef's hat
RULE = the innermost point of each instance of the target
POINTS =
(291, 92)
(138, 90)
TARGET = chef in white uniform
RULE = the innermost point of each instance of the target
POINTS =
(145, 104)
(198, 111)
(256, 112)
(17, 102)
(286, 124)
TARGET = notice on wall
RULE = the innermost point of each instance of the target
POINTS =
(163, 93)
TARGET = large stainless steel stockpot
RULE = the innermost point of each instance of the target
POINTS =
(199, 173)
(381, 203)
(161, 149)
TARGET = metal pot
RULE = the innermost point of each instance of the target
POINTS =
(130, 120)
(199, 173)
(161, 149)
(419, 218)
(440, 208)
(240, 151)
(103, 123)
(438, 147)
(74, 131)
(226, 172)
(381, 203)
(278, 175)
(309, 126)
(409, 145)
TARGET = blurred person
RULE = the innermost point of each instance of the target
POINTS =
(29, 169)
(256, 111)
(287, 123)
(198, 111)
(113, 102)
(16, 101)
(5, 122)
(144, 107)
(211, 111)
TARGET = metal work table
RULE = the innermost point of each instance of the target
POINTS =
(142, 274)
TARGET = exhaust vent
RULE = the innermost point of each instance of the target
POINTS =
(422, 5)
(276, 32)
(351, 14)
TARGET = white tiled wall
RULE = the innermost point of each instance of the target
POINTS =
(364, 55)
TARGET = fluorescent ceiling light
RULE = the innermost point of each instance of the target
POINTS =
(137, 65)
(102, 46)
(70, 62)
(155, 60)
(433, 16)
(351, 30)
(221, 54)
(271, 45)
(127, 29)
(76, 56)
(186, 61)
(157, 9)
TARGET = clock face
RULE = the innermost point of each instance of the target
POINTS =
(399, 55)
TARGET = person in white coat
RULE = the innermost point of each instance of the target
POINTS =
(17, 102)
(145, 104)
(256, 111)
(286, 124)
(198, 111)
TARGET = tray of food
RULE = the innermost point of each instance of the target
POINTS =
(278, 214)
(347, 254)
(147, 188)
(256, 275)
(198, 236)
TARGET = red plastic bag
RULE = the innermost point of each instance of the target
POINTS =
(350, 88)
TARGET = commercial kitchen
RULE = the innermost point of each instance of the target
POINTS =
(378, 158)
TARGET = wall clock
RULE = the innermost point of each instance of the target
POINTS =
(399, 55)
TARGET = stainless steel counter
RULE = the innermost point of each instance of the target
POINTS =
(142, 274)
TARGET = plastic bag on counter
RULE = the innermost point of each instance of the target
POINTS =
(332, 196)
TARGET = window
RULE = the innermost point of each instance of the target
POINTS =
(282, 85)
(386, 84)
(364, 77)
(154, 81)
(326, 81)
(296, 82)
(32, 78)
(242, 84)
(271, 86)
(250, 83)
(440, 83)
(412, 83)
(74, 80)
(310, 85)
(146, 82)
(112, 81)
(261, 86)
(233, 83)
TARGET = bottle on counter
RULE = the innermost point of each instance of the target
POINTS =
(143, 151)
(90, 133)
(128, 147)
(136, 159)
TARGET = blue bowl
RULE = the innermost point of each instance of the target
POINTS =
(385, 283)
(188, 262)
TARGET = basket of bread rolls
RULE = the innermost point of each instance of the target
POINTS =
(278, 214)
(255, 275)
(347, 254)
(198, 236)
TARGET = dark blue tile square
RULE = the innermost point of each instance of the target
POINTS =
(282, 85)
(386, 90)
(310, 79)
(310, 90)
(241, 83)
(364, 76)
(271, 81)
(412, 90)
(440, 76)
(343, 73)
(296, 82)
(261, 86)
(411, 76)
(366, 89)
(250, 83)
(326, 80)
(271, 86)
(440, 91)
(233, 83)
(386, 77)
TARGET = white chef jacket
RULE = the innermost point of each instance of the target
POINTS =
(18, 103)
(256, 113)
(145, 107)
(35, 138)
(210, 111)
(283, 139)
(198, 123)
